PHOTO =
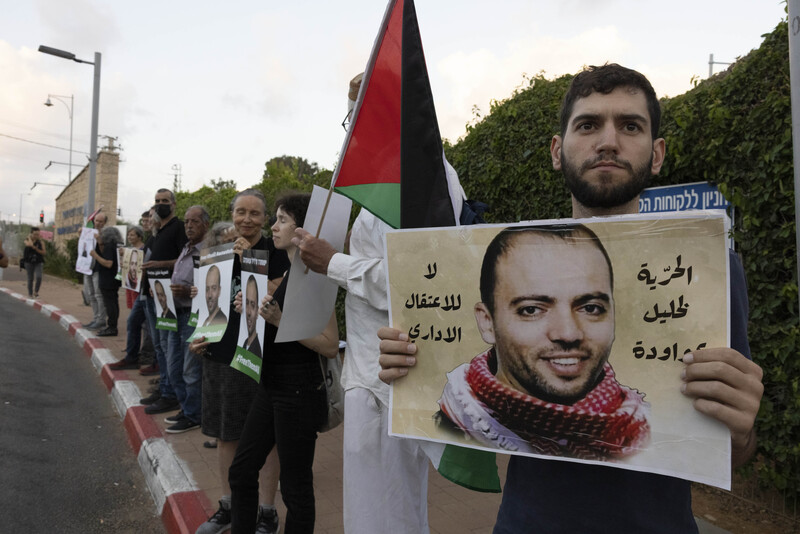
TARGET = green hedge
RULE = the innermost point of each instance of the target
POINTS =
(733, 130)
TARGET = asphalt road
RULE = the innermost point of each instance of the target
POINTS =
(65, 462)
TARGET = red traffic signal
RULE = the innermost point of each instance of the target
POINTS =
(41, 216)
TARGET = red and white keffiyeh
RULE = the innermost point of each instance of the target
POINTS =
(611, 421)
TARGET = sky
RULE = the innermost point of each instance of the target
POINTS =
(217, 89)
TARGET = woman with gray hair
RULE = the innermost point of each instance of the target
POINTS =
(107, 261)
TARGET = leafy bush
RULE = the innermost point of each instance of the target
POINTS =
(733, 130)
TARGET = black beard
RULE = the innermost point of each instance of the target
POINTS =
(605, 197)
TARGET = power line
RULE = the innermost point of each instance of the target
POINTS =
(41, 144)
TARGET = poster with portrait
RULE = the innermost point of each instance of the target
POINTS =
(160, 281)
(86, 244)
(213, 282)
(564, 339)
(249, 349)
(131, 260)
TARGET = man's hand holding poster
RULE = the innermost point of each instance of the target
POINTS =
(564, 339)
(249, 349)
(165, 305)
(213, 292)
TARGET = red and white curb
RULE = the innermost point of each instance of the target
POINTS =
(180, 503)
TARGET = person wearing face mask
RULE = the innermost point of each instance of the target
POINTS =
(166, 247)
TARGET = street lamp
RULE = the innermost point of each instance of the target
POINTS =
(69, 107)
(95, 112)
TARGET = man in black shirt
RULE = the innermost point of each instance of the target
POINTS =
(165, 249)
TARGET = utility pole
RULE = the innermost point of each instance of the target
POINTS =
(176, 181)
(711, 64)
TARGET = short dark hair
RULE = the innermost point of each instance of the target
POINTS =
(171, 194)
(34, 229)
(504, 241)
(603, 80)
(295, 204)
(251, 279)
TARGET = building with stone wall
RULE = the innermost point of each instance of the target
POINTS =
(71, 209)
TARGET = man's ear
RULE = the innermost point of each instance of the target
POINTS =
(485, 323)
(555, 152)
(659, 150)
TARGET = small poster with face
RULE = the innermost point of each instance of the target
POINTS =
(131, 268)
(160, 281)
(248, 356)
(564, 340)
(213, 282)
(86, 244)
(195, 313)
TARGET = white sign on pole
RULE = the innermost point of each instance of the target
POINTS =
(310, 296)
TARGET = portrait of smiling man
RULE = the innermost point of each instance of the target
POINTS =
(250, 341)
(546, 386)
(213, 291)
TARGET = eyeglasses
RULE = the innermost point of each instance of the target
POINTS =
(346, 121)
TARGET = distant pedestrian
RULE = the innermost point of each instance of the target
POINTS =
(91, 282)
(107, 262)
(33, 256)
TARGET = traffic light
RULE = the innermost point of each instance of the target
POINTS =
(41, 216)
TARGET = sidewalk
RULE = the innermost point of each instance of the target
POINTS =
(183, 475)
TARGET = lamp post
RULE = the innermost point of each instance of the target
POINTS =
(69, 107)
(95, 111)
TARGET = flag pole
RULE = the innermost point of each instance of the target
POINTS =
(322, 217)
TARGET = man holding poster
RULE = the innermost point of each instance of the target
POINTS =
(607, 150)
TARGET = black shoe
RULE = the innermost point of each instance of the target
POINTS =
(123, 364)
(162, 405)
(107, 332)
(172, 419)
(182, 426)
(219, 522)
(210, 444)
(150, 399)
(267, 521)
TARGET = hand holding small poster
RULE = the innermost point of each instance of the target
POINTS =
(165, 305)
(213, 289)
(248, 355)
(131, 268)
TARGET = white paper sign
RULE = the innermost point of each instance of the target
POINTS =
(310, 296)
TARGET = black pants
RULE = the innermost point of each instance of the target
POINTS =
(288, 410)
(111, 302)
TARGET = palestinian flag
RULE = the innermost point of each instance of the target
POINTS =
(392, 163)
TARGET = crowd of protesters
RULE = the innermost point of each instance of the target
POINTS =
(266, 432)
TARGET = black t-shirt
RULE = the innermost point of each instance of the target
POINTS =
(108, 275)
(278, 264)
(166, 245)
(291, 353)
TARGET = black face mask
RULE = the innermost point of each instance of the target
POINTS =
(163, 210)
